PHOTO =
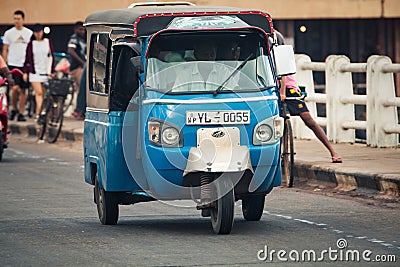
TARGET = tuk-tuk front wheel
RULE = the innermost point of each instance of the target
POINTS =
(253, 207)
(107, 204)
(222, 212)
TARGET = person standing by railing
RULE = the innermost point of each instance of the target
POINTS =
(39, 63)
(297, 107)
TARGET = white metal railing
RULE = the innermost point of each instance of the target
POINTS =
(381, 103)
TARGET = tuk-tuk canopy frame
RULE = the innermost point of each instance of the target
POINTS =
(148, 20)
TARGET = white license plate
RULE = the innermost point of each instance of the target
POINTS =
(217, 117)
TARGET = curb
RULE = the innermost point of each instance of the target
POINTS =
(382, 184)
(32, 131)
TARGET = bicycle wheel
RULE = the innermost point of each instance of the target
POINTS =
(54, 119)
(31, 102)
(69, 98)
(288, 154)
(42, 120)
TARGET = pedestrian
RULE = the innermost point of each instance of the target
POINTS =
(39, 64)
(81, 101)
(297, 107)
(15, 41)
(77, 51)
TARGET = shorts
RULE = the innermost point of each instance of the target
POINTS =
(18, 79)
(295, 106)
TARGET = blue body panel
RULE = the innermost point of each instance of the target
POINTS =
(104, 146)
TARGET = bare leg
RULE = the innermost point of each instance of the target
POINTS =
(22, 101)
(14, 97)
(319, 133)
(39, 91)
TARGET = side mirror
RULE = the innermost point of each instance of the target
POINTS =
(284, 60)
(137, 63)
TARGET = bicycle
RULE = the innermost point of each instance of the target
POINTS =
(287, 145)
(52, 112)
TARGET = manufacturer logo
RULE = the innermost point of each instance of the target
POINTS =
(218, 134)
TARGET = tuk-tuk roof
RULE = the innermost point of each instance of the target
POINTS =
(148, 20)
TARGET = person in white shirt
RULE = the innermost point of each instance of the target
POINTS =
(15, 41)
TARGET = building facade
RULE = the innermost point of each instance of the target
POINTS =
(356, 28)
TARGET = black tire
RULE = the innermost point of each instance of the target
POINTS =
(31, 103)
(70, 97)
(288, 154)
(107, 205)
(253, 207)
(223, 212)
(42, 120)
(1, 145)
(54, 119)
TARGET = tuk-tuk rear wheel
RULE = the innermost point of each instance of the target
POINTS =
(107, 205)
(253, 207)
(223, 211)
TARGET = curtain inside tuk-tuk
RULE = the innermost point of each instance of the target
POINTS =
(124, 81)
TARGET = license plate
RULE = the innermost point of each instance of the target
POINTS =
(218, 117)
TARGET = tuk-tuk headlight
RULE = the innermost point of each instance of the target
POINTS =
(165, 134)
(264, 132)
(170, 136)
(268, 131)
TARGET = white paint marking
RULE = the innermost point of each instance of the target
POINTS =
(372, 240)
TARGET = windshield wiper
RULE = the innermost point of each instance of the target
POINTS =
(238, 68)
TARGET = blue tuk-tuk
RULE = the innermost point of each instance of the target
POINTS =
(183, 103)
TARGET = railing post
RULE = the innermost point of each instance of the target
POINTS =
(305, 78)
(372, 116)
(338, 84)
(381, 87)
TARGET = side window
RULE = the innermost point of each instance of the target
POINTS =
(98, 64)
(124, 79)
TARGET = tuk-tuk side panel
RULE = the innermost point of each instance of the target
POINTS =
(95, 130)
(124, 169)
(103, 139)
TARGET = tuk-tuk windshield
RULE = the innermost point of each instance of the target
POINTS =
(209, 62)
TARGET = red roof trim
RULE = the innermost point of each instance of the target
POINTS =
(211, 29)
(190, 14)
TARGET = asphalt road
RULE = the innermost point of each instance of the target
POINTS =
(47, 217)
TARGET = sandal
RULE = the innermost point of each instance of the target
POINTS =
(336, 160)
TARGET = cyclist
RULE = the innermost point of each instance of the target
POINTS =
(297, 107)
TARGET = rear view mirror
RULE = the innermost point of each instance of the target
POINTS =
(137, 63)
(284, 60)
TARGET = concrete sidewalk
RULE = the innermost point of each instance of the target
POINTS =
(364, 169)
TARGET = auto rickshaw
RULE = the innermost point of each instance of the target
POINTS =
(183, 104)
